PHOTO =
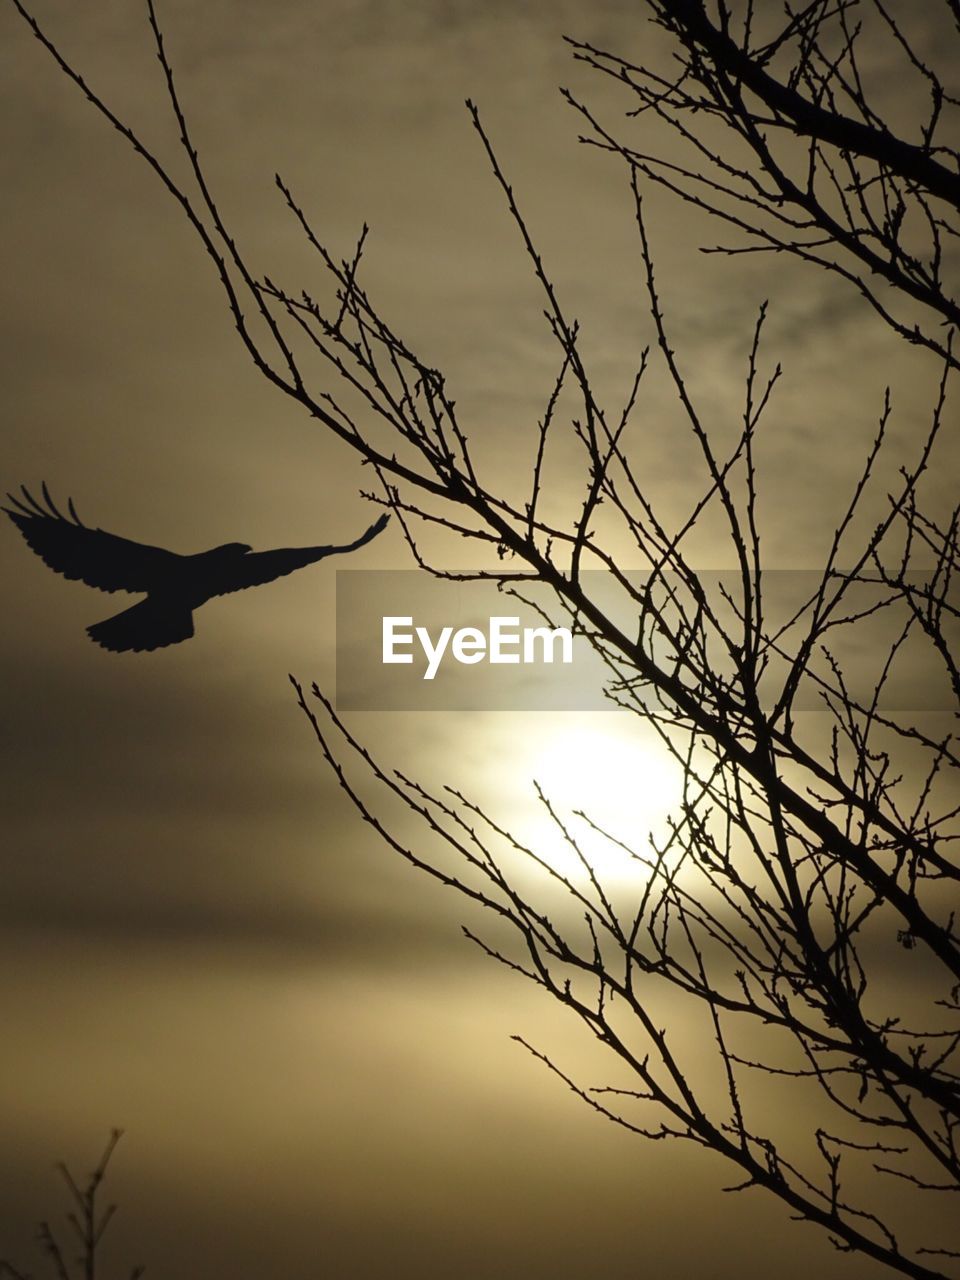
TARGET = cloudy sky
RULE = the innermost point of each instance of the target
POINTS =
(200, 943)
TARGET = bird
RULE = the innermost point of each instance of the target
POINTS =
(174, 585)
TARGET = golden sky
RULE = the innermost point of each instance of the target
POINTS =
(200, 942)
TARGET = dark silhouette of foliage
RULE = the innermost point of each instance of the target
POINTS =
(810, 857)
(175, 585)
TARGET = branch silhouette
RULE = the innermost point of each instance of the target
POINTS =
(87, 1221)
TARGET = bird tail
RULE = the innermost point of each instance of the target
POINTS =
(147, 625)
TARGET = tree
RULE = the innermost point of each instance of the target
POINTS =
(800, 856)
(87, 1223)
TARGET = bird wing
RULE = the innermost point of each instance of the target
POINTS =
(258, 567)
(93, 556)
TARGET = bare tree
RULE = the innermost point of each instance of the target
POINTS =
(803, 160)
(87, 1224)
(800, 856)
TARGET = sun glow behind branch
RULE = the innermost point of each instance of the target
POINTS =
(597, 777)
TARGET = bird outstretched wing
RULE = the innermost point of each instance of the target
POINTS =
(93, 556)
(258, 567)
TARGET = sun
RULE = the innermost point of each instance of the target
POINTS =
(613, 770)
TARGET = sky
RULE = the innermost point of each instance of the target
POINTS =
(200, 941)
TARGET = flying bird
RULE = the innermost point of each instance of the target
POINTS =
(174, 585)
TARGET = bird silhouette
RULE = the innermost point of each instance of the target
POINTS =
(174, 585)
